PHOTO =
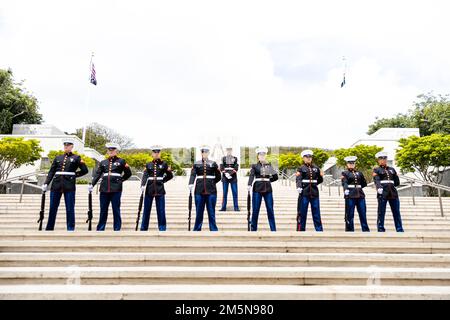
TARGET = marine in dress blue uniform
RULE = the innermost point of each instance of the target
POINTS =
(262, 174)
(62, 175)
(156, 173)
(354, 182)
(386, 181)
(229, 167)
(206, 174)
(113, 172)
(308, 177)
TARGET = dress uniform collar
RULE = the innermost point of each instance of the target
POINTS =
(157, 160)
(68, 154)
(113, 158)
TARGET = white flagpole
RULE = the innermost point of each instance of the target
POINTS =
(344, 60)
(88, 98)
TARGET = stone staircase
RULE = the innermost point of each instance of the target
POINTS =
(229, 264)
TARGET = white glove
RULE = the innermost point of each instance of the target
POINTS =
(380, 190)
(227, 175)
(249, 188)
(191, 187)
(90, 188)
(44, 188)
(347, 192)
(299, 190)
(142, 189)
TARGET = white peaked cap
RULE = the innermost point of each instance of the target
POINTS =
(205, 147)
(350, 159)
(307, 153)
(381, 154)
(156, 147)
(68, 140)
(112, 145)
(261, 150)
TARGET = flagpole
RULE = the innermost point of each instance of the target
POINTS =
(88, 98)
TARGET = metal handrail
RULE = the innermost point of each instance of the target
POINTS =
(285, 178)
(426, 183)
(21, 177)
(439, 187)
(334, 182)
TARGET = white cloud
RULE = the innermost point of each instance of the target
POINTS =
(267, 71)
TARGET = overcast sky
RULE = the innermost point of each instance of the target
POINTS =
(268, 72)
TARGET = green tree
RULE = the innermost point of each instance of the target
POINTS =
(398, 121)
(274, 160)
(16, 104)
(429, 156)
(139, 160)
(290, 161)
(430, 113)
(174, 165)
(366, 158)
(320, 156)
(90, 163)
(136, 160)
(16, 152)
(98, 135)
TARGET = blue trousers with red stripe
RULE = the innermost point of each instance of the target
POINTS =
(302, 207)
(105, 199)
(69, 200)
(208, 200)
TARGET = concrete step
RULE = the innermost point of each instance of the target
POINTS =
(231, 219)
(226, 246)
(183, 197)
(225, 275)
(223, 292)
(229, 236)
(231, 263)
(183, 208)
(223, 226)
(125, 259)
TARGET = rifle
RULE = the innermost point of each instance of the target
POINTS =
(190, 210)
(41, 213)
(249, 200)
(141, 199)
(89, 213)
(298, 211)
(347, 222)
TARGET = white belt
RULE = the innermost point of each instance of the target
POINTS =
(62, 173)
(114, 174)
(229, 168)
(262, 179)
(309, 181)
(207, 177)
(155, 178)
(386, 181)
(351, 186)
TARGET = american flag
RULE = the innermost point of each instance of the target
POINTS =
(93, 78)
